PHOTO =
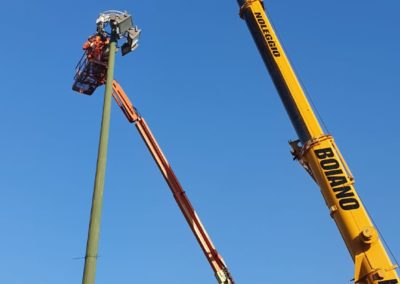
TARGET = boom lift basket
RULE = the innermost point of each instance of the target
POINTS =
(90, 73)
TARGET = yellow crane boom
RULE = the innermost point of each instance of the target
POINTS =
(319, 155)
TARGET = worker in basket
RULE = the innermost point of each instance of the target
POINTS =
(96, 48)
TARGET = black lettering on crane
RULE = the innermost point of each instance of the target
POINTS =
(267, 35)
(342, 192)
(329, 164)
(337, 180)
(349, 203)
(324, 153)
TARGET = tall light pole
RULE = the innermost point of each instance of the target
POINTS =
(112, 25)
(92, 245)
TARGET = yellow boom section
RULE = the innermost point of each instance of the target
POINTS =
(319, 155)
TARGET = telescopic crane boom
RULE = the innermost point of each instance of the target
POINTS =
(319, 155)
(214, 258)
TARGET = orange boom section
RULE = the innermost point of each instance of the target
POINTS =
(213, 257)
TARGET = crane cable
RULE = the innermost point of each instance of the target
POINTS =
(383, 239)
(306, 93)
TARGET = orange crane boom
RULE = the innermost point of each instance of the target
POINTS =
(214, 258)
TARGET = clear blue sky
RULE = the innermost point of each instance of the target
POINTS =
(200, 83)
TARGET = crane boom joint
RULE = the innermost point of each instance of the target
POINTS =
(246, 4)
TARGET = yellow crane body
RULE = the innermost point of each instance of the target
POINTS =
(319, 155)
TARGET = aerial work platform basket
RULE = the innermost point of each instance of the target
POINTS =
(90, 73)
(91, 69)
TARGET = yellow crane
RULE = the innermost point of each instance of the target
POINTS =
(319, 155)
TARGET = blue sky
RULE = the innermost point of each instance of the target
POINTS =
(200, 83)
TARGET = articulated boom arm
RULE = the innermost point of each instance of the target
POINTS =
(217, 263)
(320, 156)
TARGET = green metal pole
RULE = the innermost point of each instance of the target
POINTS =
(92, 245)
